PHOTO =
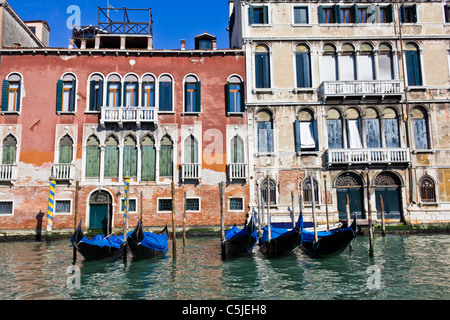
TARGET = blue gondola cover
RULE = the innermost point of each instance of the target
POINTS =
(154, 241)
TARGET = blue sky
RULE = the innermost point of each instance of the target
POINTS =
(172, 20)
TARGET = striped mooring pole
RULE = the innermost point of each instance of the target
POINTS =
(125, 217)
(51, 205)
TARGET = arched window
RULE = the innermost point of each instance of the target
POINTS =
(148, 90)
(307, 191)
(335, 129)
(148, 159)
(131, 98)
(329, 63)
(114, 90)
(347, 63)
(366, 62)
(372, 128)
(306, 132)
(192, 94)
(11, 95)
(272, 190)
(237, 150)
(420, 127)
(303, 63)
(66, 93)
(235, 95)
(427, 190)
(65, 150)
(165, 93)
(166, 157)
(265, 131)
(92, 157)
(385, 62)
(391, 128)
(9, 150)
(96, 82)
(130, 156)
(413, 67)
(262, 67)
(191, 150)
(111, 157)
(354, 129)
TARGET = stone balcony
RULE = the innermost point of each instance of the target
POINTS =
(237, 171)
(361, 90)
(191, 171)
(63, 171)
(8, 172)
(121, 115)
(368, 156)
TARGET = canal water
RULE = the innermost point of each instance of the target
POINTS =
(404, 267)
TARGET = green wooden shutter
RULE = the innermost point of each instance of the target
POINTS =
(337, 13)
(9, 154)
(148, 163)
(111, 162)
(92, 162)
(166, 161)
(321, 17)
(5, 95)
(390, 13)
(357, 16)
(92, 96)
(298, 143)
(242, 97)
(65, 154)
(265, 14)
(125, 96)
(228, 96)
(59, 95)
(198, 96)
(130, 161)
(251, 15)
(73, 96)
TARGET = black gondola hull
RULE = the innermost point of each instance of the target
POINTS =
(283, 245)
(238, 246)
(90, 252)
(140, 251)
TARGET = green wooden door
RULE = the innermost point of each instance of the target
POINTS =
(391, 202)
(356, 202)
(98, 217)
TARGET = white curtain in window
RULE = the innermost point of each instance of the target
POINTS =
(347, 68)
(354, 134)
(366, 67)
(307, 135)
(385, 67)
(329, 72)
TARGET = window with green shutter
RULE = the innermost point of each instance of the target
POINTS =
(258, 15)
(9, 150)
(235, 95)
(92, 158)
(65, 150)
(192, 94)
(111, 158)
(166, 158)
(262, 67)
(413, 67)
(11, 93)
(130, 157)
(165, 94)
(96, 83)
(148, 159)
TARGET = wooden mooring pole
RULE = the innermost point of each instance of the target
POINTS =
(184, 220)
(222, 211)
(174, 231)
(347, 206)
(369, 208)
(75, 221)
(326, 205)
(313, 202)
(383, 222)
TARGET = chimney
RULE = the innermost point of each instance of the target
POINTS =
(183, 44)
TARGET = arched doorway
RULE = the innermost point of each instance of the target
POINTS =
(388, 186)
(100, 211)
(350, 184)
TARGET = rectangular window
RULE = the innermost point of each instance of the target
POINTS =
(132, 207)
(236, 204)
(306, 136)
(328, 15)
(262, 70)
(362, 15)
(192, 97)
(235, 98)
(165, 205)
(258, 15)
(301, 15)
(68, 99)
(335, 136)
(6, 208)
(265, 143)
(373, 135)
(346, 15)
(165, 96)
(14, 96)
(420, 134)
(408, 13)
(131, 96)
(96, 95)
(354, 134)
(149, 95)
(193, 205)
(447, 13)
(63, 206)
(114, 95)
(303, 65)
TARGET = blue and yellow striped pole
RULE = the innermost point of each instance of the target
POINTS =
(51, 204)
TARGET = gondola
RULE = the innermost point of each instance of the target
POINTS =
(333, 242)
(99, 247)
(239, 242)
(283, 241)
(145, 245)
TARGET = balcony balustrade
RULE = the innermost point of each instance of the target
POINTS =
(63, 171)
(237, 171)
(191, 171)
(368, 156)
(8, 172)
(361, 89)
(121, 115)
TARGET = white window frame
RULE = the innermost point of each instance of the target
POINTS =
(300, 5)
(12, 209)
(157, 204)
(63, 213)
(121, 200)
(199, 204)
(229, 204)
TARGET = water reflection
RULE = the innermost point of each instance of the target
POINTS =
(413, 267)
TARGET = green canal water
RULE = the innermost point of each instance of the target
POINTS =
(404, 267)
